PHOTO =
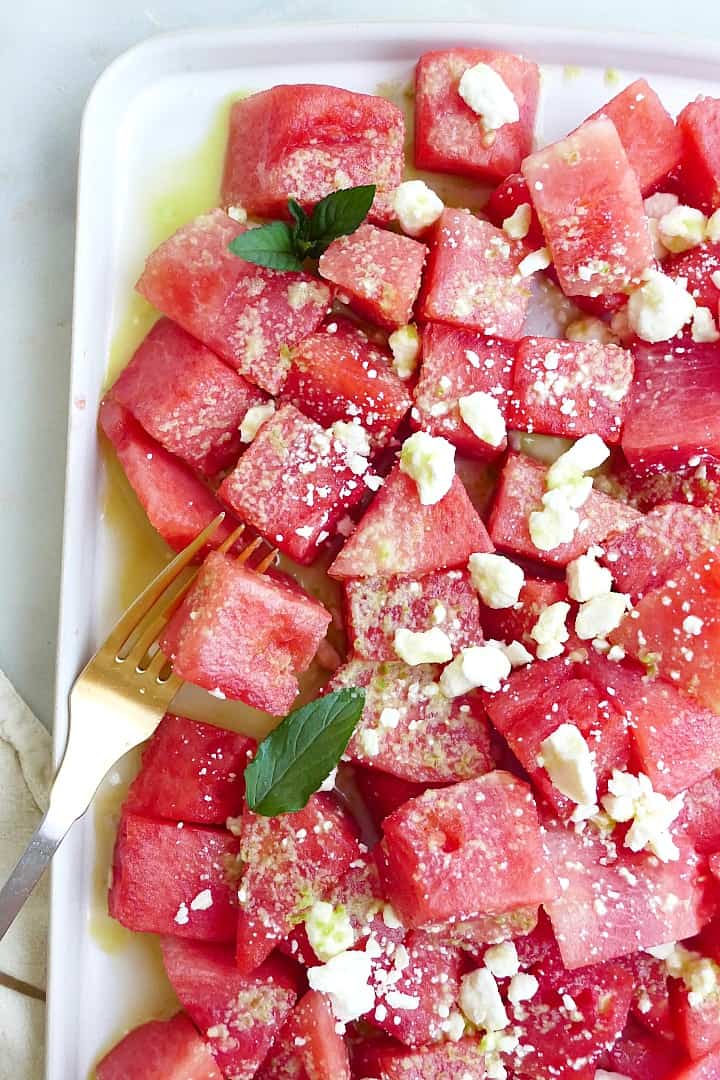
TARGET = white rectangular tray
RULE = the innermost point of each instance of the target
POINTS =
(152, 108)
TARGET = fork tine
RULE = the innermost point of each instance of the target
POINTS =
(267, 562)
(157, 617)
(232, 538)
(249, 550)
(137, 611)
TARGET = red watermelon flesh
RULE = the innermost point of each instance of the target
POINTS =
(160, 1050)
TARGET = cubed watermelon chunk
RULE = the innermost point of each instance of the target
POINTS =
(186, 398)
(700, 266)
(570, 388)
(294, 482)
(651, 993)
(177, 503)
(175, 879)
(678, 378)
(290, 861)
(449, 136)
(649, 552)
(338, 374)
(456, 363)
(700, 817)
(424, 737)
(520, 491)
(616, 902)
(244, 313)
(398, 535)
(511, 193)
(308, 1046)
(697, 1026)
(305, 141)
(444, 1061)
(708, 1068)
(382, 793)
(639, 1056)
(694, 486)
(376, 272)
(244, 634)
(160, 1050)
(472, 277)
(699, 123)
(376, 607)
(675, 630)
(239, 1014)
(653, 144)
(590, 207)
(473, 848)
(515, 623)
(191, 772)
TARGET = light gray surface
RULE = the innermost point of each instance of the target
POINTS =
(50, 55)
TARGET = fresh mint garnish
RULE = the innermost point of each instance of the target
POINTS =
(295, 758)
(283, 246)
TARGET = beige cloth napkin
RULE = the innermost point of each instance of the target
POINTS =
(25, 769)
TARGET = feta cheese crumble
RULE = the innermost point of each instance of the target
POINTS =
(712, 231)
(550, 631)
(502, 960)
(632, 798)
(570, 764)
(586, 579)
(660, 308)
(477, 666)
(517, 226)
(423, 646)
(535, 261)
(405, 348)
(522, 987)
(498, 580)
(704, 328)
(417, 206)
(352, 436)
(515, 651)
(487, 94)
(203, 901)
(597, 617)
(345, 979)
(254, 419)
(682, 228)
(556, 523)
(481, 1002)
(329, 930)
(430, 462)
(588, 453)
(483, 416)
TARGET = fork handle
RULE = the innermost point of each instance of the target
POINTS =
(31, 866)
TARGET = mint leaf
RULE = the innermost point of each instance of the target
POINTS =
(270, 245)
(339, 214)
(295, 758)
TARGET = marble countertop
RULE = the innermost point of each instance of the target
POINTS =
(51, 53)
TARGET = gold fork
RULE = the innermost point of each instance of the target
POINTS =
(115, 704)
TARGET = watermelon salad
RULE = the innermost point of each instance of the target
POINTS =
(490, 847)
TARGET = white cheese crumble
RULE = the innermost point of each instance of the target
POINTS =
(517, 226)
(203, 901)
(345, 979)
(237, 213)
(417, 206)
(515, 651)
(704, 328)
(597, 617)
(488, 95)
(254, 419)
(352, 436)
(693, 625)
(660, 308)
(454, 1026)
(586, 579)
(535, 261)
(405, 348)
(389, 718)
(498, 580)
(550, 631)
(522, 987)
(700, 974)
(423, 646)
(682, 228)
(712, 231)
(588, 453)
(481, 1002)
(502, 960)
(632, 798)
(477, 666)
(329, 930)
(556, 523)
(483, 416)
(430, 462)
(570, 764)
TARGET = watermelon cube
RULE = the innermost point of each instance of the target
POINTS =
(186, 398)
(376, 272)
(398, 535)
(191, 772)
(470, 849)
(652, 142)
(699, 123)
(456, 363)
(239, 1014)
(339, 374)
(443, 1061)
(376, 607)
(449, 136)
(642, 1057)
(520, 491)
(176, 879)
(650, 551)
(244, 635)
(160, 1050)
(306, 141)
(382, 793)
(651, 999)
(616, 901)
(700, 267)
(177, 503)
(289, 862)
(472, 277)
(707, 1068)
(697, 1025)
(570, 388)
(243, 312)
(591, 210)
(515, 623)
(700, 817)
(308, 1046)
(672, 379)
(294, 482)
(411, 730)
(511, 193)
